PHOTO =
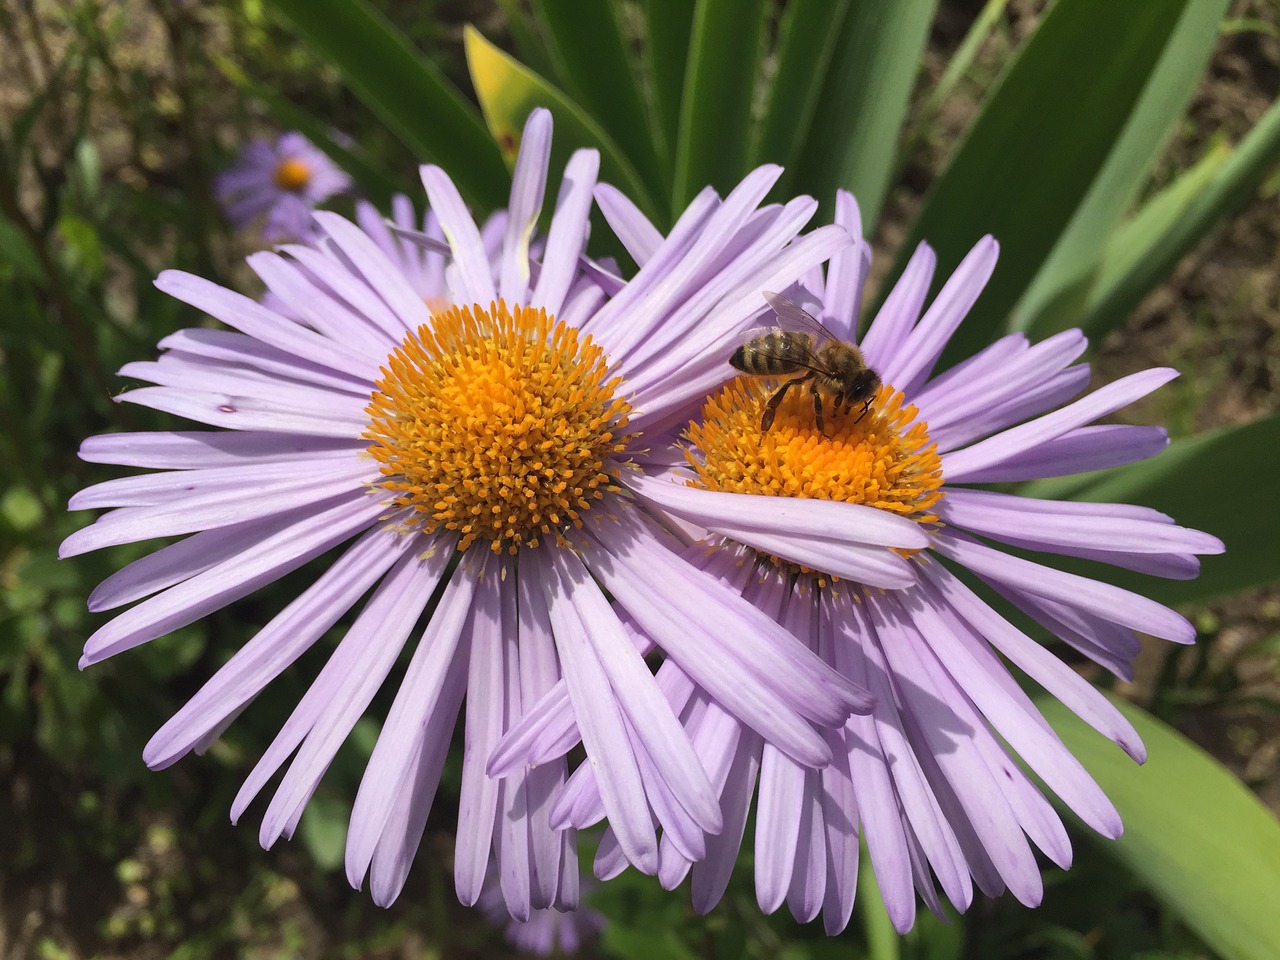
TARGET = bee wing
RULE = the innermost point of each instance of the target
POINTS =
(792, 316)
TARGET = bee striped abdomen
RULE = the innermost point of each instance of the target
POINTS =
(774, 354)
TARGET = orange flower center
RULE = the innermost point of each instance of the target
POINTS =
(501, 424)
(292, 174)
(883, 458)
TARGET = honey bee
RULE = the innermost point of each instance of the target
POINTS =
(830, 366)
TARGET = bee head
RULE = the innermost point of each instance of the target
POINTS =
(861, 387)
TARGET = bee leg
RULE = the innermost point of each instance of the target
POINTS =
(817, 411)
(775, 401)
(865, 407)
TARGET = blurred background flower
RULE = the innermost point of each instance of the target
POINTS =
(546, 932)
(276, 184)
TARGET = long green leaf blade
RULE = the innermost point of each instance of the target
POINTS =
(1168, 90)
(668, 28)
(807, 39)
(854, 137)
(587, 46)
(1146, 234)
(1038, 145)
(1230, 187)
(531, 49)
(715, 118)
(1197, 481)
(508, 91)
(405, 90)
(883, 942)
(1196, 835)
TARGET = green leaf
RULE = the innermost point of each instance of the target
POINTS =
(720, 77)
(530, 47)
(324, 830)
(807, 39)
(959, 64)
(854, 137)
(81, 247)
(16, 252)
(1233, 183)
(1199, 838)
(1144, 236)
(20, 508)
(668, 27)
(1075, 255)
(508, 91)
(587, 46)
(407, 92)
(882, 939)
(1038, 146)
(1198, 482)
(89, 165)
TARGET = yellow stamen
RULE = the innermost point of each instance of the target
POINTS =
(292, 174)
(881, 459)
(499, 424)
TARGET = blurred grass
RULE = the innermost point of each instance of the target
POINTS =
(115, 117)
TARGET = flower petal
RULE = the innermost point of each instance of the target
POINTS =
(956, 464)
(373, 266)
(1077, 451)
(220, 503)
(486, 706)
(193, 449)
(311, 303)
(910, 366)
(243, 413)
(257, 321)
(847, 273)
(473, 271)
(170, 486)
(341, 693)
(246, 352)
(528, 187)
(642, 703)
(599, 718)
(567, 237)
(898, 315)
(638, 236)
(789, 515)
(1076, 693)
(277, 645)
(304, 536)
(1113, 603)
(433, 684)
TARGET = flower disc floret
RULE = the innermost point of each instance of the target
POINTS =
(501, 424)
(883, 458)
(292, 173)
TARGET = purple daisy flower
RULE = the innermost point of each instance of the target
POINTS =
(283, 181)
(484, 453)
(548, 931)
(926, 773)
